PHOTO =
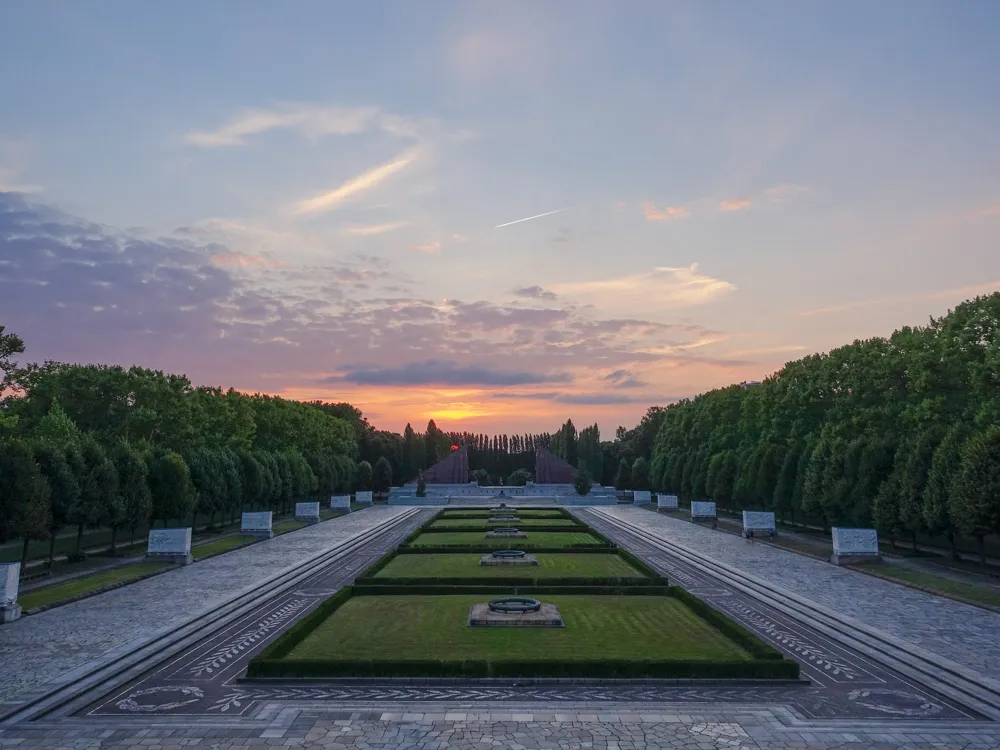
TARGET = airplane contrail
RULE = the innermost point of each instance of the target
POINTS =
(537, 216)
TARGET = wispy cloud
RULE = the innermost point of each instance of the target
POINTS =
(623, 379)
(368, 231)
(363, 182)
(242, 260)
(954, 293)
(443, 372)
(427, 247)
(667, 213)
(662, 287)
(735, 204)
(311, 120)
(534, 292)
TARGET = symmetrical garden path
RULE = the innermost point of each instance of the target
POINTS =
(40, 647)
(196, 698)
(963, 633)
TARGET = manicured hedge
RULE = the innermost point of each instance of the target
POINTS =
(485, 587)
(603, 668)
(734, 631)
(512, 544)
(577, 528)
(512, 581)
(298, 632)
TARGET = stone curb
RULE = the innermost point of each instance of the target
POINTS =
(120, 584)
(794, 604)
(124, 658)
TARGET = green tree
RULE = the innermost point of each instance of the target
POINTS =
(364, 476)
(133, 491)
(976, 499)
(640, 474)
(64, 489)
(171, 491)
(945, 467)
(382, 475)
(519, 478)
(25, 506)
(581, 482)
(623, 479)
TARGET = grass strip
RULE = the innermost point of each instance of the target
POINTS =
(63, 593)
(211, 549)
(932, 584)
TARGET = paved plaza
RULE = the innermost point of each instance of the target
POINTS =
(196, 697)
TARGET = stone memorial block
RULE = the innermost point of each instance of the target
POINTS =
(851, 545)
(363, 497)
(758, 520)
(702, 509)
(666, 501)
(170, 544)
(257, 524)
(642, 497)
(10, 574)
(307, 512)
(340, 502)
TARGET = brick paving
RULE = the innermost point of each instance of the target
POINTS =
(965, 634)
(517, 730)
(39, 647)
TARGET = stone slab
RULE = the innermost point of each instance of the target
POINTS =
(340, 502)
(489, 560)
(854, 541)
(9, 613)
(501, 534)
(169, 542)
(504, 519)
(481, 616)
(10, 576)
(702, 509)
(307, 512)
(364, 497)
(758, 520)
(258, 523)
(642, 497)
(667, 501)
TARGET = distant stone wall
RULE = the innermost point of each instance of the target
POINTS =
(550, 469)
(452, 470)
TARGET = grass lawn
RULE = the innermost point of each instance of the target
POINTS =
(285, 526)
(400, 628)
(443, 523)
(523, 513)
(536, 539)
(931, 582)
(219, 546)
(460, 565)
(88, 584)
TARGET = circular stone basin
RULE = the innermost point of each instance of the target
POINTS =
(509, 553)
(515, 605)
(507, 531)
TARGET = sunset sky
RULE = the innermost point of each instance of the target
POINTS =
(306, 198)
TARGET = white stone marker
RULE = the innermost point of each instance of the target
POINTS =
(642, 497)
(307, 512)
(170, 544)
(666, 501)
(258, 524)
(340, 502)
(758, 520)
(702, 509)
(10, 574)
(363, 497)
(850, 545)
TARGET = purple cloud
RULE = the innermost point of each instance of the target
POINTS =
(442, 372)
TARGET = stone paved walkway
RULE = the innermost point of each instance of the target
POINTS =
(968, 635)
(40, 647)
(504, 730)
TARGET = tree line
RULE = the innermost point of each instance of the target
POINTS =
(900, 433)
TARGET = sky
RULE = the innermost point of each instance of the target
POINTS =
(495, 215)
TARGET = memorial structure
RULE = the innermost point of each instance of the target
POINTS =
(10, 576)
(454, 469)
(363, 498)
(854, 545)
(173, 545)
(642, 497)
(340, 502)
(550, 469)
(702, 510)
(758, 520)
(257, 524)
(668, 502)
(307, 512)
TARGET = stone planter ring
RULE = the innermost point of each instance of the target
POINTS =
(515, 605)
(509, 553)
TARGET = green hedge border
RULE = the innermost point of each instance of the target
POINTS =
(574, 528)
(445, 589)
(767, 662)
